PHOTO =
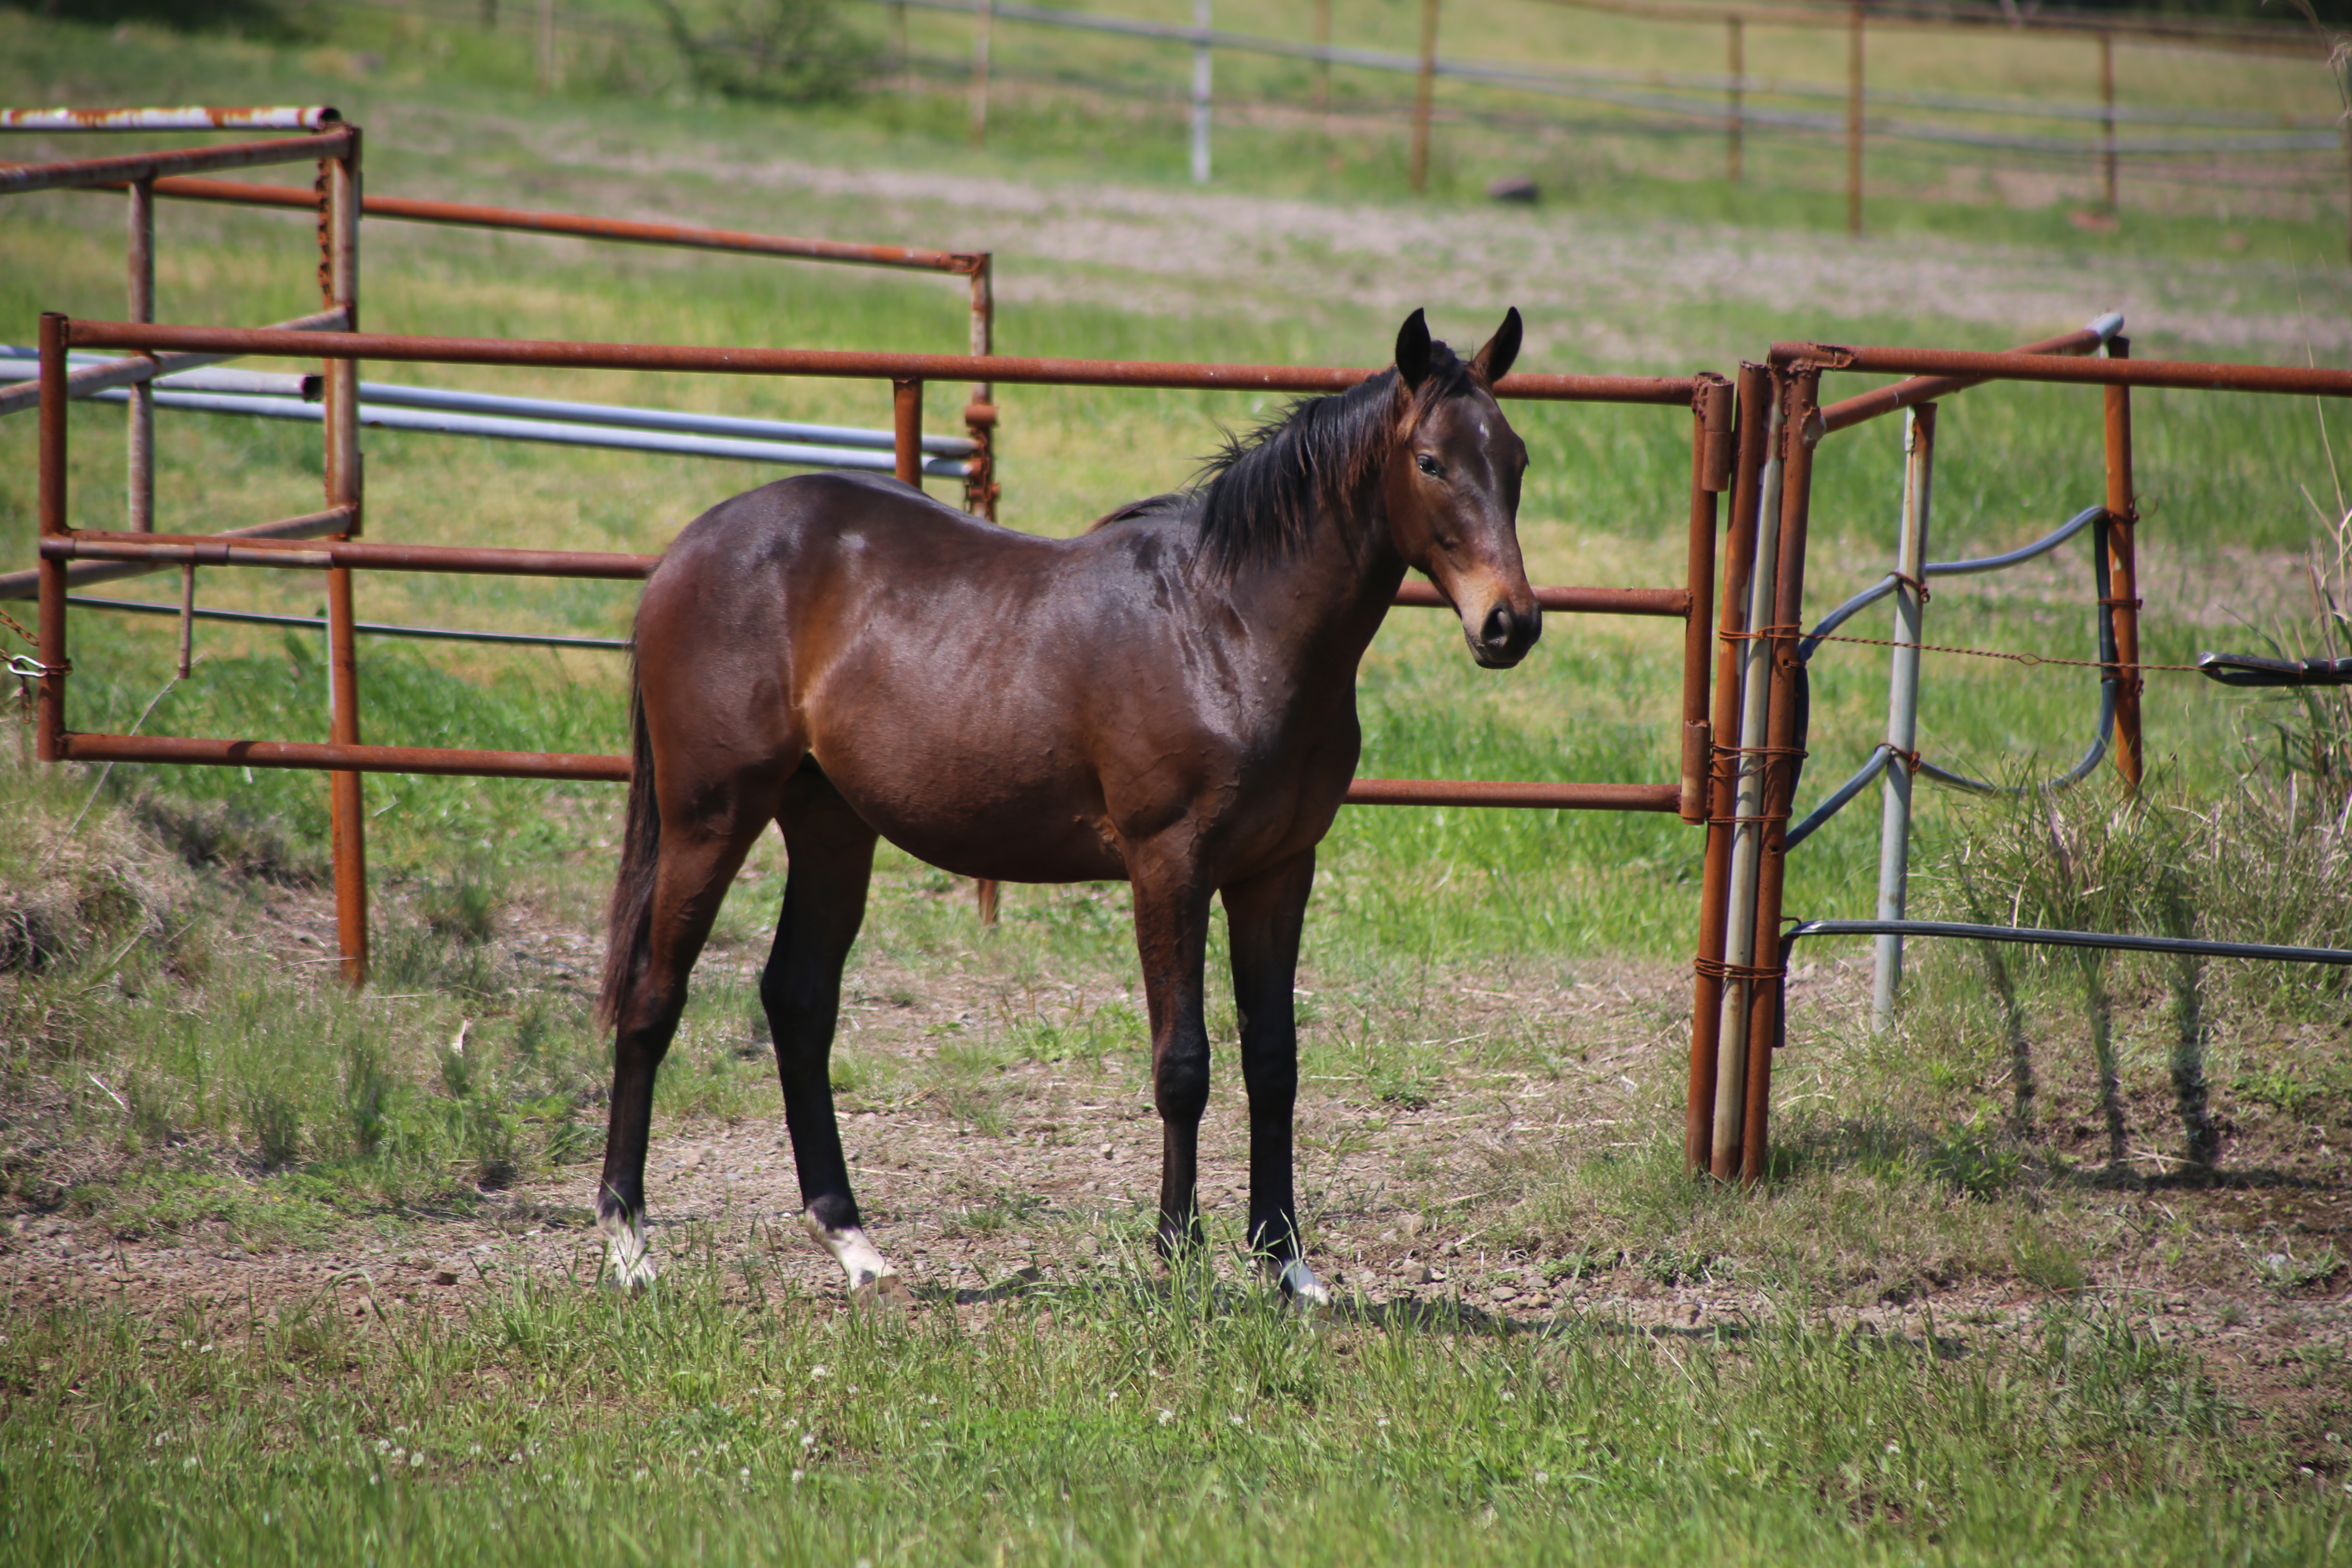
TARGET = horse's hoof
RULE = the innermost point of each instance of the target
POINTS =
(886, 1292)
(1302, 1289)
(629, 1265)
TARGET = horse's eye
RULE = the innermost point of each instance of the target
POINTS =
(1427, 464)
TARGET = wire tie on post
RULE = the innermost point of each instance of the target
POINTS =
(1918, 585)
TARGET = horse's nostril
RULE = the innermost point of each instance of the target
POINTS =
(1500, 624)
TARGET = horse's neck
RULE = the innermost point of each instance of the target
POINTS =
(1323, 604)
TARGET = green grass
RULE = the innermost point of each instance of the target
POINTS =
(1105, 1418)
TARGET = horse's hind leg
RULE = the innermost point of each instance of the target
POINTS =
(1263, 917)
(831, 852)
(700, 854)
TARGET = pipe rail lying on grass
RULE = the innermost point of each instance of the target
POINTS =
(600, 435)
(95, 375)
(394, 394)
(2036, 936)
(365, 628)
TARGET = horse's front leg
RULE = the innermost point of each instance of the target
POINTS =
(1264, 916)
(1171, 935)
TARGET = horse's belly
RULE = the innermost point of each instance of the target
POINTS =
(978, 813)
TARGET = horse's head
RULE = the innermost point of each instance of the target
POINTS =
(1452, 484)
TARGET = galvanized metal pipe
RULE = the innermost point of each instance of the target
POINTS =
(1675, 391)
(555, 433)
(364, 628)
(1903, 705)
(105, 375)
(394, 395)
(1754, 393)
(1748, 808)
(1769, 997)
(2037, 936)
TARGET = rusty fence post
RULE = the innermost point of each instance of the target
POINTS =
(51, 714)
(1425, 93)
(1711, 435)
(339, 239)
(140, 510)
(1768, 1001)
(1854, 120)
(2123, 573)
(979, 490)
(906, 429)
(1739, 554)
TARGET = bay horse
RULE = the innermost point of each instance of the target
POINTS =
(1167, 700)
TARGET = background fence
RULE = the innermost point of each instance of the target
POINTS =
(2105, 110)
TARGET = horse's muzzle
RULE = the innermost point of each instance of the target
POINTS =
(1506, 636)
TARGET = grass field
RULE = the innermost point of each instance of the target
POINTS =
(287, 1273)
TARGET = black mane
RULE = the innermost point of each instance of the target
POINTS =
(1256, 502)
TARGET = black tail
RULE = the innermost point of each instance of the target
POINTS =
(628, 921)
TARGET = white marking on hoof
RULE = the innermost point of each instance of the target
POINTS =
(628, 1257)
(1298, 1283)
(857, 1256)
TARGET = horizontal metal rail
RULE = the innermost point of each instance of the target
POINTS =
(104, 375)
(306, 388)
(370, 628)
(603, 769)
(18, 179)
(1672, 603)
(252, 550)
(315, 117)
(554, 432)
(519, 220)
(2187, 375)
(1668, 391)
(26, 584)
(2036, 936)
(1884, 400)
(218, 550)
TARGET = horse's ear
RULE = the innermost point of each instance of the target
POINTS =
(1412, 350)
(1493, 363)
